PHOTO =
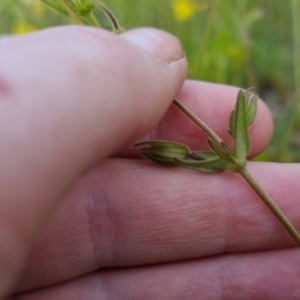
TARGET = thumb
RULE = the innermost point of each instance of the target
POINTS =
(69, 97)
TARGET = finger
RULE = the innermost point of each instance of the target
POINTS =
(73, 96)
(157, 215)
(266, 275)
(213, 103)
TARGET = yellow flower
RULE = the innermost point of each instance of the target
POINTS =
(186, 9)
(23, 28)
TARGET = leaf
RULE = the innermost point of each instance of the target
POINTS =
(241, 139)
(251, 108)
(231, 129)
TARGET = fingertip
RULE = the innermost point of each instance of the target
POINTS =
(261, 130)
(161, 44)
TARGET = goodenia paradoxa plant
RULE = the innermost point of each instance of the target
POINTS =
(221, 157)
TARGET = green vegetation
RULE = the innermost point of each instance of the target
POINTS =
(243, 43)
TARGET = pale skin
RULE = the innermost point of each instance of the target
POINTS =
(83, 217)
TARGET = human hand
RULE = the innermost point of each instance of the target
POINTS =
(69, 98)
(131, 229)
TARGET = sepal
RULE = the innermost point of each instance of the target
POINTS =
(163, 152)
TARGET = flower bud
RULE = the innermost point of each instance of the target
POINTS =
(164, 153)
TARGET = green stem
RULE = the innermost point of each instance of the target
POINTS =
(116, 27)
(71, 12)
(199, 122)
(93, 21)
(271, 205)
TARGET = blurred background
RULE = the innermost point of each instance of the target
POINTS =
(244, 43)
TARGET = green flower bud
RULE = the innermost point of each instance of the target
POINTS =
(164, 153)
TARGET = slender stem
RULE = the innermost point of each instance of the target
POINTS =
(271, 205)
(71, 12)
(116, 27)
(93, 21)
(199, 122)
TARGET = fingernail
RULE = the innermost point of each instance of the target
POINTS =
(161, 44)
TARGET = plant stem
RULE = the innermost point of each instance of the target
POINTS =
(271, 205)
(116, 27)
(71, 12)
(93, 21)
(199, 122)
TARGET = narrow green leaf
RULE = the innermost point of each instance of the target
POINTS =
(251, 108)
(241, 140)
(231, 130)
